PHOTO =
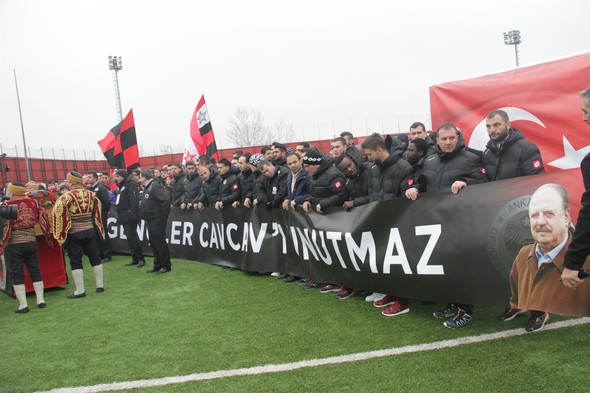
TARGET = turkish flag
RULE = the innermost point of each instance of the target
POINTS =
(543, 101)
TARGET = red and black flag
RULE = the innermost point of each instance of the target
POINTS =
(120, 145)
(200, 139)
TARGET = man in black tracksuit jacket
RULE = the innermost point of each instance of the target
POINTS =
(127, 205)
(246, 178)
(154, 208)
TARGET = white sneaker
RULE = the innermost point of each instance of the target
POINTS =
(275, 274)
(374, 296)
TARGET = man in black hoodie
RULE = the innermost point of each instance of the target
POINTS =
(356, 186)
(192, 186)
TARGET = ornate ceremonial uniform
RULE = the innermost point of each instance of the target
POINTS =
(19, 245)
(76, 217)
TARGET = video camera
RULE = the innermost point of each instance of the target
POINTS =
(9, 212)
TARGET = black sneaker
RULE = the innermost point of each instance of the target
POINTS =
(446, 313)
(536, 324)
(461, 319)
(510, 313)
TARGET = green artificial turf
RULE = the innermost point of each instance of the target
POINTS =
(202, 318)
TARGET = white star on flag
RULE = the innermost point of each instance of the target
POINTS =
(571, 158)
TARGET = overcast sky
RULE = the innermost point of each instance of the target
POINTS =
(321, 66)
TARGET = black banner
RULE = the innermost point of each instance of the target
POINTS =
(442, 247)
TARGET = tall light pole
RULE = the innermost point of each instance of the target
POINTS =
(513, 38)
(116, 64)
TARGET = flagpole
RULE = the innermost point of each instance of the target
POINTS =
(22, 127)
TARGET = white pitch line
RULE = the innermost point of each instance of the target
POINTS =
(275, 368)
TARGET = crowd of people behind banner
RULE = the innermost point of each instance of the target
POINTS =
(381, 168)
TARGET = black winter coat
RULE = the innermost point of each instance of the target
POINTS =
(177, 189)
(514, 157)
(246, 179)
(327, 186)
(229, 188)
(357, 188)
(192, 188)
(441, 170)
(155, 202)
(127, 202)
(210, 190)
(389, 178)
(273, 191)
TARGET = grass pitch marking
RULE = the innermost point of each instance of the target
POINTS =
(275, 368)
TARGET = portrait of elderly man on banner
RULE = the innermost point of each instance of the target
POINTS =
(535, 279)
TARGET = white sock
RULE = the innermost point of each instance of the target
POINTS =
(98, 275)
(78, 275)
(21, 295)
(39, 291)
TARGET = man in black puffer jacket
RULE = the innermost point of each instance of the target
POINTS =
(177, 184)
(272, 188)
(192, 187)
(508, 154)
(209, 189)
(229, 188)
(327, 184)
(389, 172)
(388, 178)
(451, 167)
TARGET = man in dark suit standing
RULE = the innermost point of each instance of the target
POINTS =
(579, 249)
(154, 208)
(127, 204)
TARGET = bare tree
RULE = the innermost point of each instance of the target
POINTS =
(247, 127)
(280, 131)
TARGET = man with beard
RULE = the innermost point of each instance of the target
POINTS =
(192, 186)
(508, 154)
(176, 184)
(127, 205)
(387, 180)
(451, 167)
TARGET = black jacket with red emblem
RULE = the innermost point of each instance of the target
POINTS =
(229, 188)
(327, 185)
(390, 177)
